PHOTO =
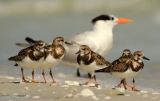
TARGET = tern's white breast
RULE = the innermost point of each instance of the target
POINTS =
(28, 63)
(50, 62)
(128, 74)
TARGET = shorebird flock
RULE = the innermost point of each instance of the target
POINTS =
(86, 50)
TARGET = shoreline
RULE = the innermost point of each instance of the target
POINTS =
(12, 89)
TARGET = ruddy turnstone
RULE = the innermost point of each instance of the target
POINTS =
(54, 54)
(129, 69)
(90, 61)
(102, 33)
(30, 57)
(126, 56)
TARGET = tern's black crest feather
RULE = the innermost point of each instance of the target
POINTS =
(101, 17)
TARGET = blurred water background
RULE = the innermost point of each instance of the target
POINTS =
(46, 19)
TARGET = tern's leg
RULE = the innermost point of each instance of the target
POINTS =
(43, 74)
(78, 73)
(52, 77)
(89, 75)
(134, 86)
(23, 78)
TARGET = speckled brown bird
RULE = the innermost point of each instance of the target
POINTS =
(126, 55)
(30, 57)
(54, 54)
(90, 61)
(128, 69)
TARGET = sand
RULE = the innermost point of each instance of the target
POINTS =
(12, 89)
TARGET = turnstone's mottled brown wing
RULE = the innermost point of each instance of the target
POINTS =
(120, 60)
(121, 67)
(100, 60)
(21, 55)
(24, 52)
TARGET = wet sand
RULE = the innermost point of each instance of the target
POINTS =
(13, 89)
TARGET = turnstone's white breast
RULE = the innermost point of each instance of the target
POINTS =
(90, 61)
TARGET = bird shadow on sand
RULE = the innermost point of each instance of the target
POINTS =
(18, 82)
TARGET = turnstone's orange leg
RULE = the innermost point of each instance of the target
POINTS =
(96, 84)
(43, 74)
(23, 78)
(52, 78)
(124, 82)
(119, 85)
(86, 82)
(134, 86)
(33, 81)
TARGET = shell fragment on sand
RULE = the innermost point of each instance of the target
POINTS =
(72, 83)
(86, 92)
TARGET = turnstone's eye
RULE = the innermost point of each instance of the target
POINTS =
(112, 18)
(139, 54)
(40, 44)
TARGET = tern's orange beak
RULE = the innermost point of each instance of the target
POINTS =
(123, 20)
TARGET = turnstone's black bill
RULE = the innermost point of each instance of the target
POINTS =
(102, 33)
(30, 57)
(90, 61)
(128, 69)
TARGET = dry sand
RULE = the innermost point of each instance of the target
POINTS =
(12, 89)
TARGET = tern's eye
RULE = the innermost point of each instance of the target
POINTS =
(112, 18)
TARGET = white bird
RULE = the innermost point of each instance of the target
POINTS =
(100, 39)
